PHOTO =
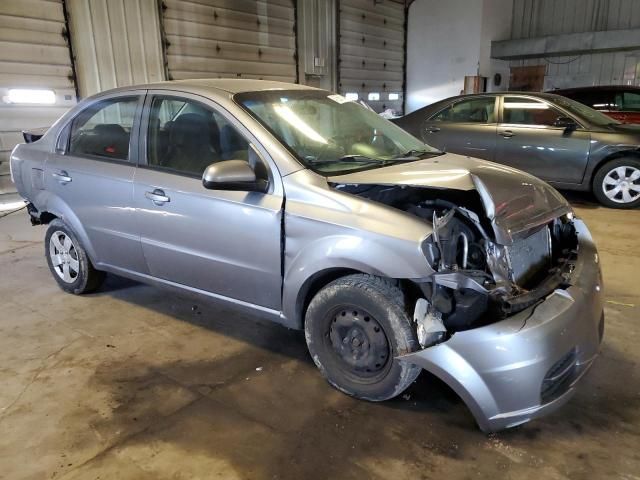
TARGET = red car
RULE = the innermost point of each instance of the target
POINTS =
(620, 102)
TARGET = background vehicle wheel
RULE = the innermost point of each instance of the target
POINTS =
(355, 327)
(68, 261)
(617, 183)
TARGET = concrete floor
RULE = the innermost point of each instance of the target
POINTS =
(130, 383)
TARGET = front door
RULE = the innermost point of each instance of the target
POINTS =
(224, 242)
(467, 127)
(92, 170)
(529, 140)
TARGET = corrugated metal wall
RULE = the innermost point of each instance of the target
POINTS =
(230, 38)
(33, 54)
(116, 43)
(372, 50)
(534, 18)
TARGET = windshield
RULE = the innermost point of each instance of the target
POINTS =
(329, 134)
(592, 116)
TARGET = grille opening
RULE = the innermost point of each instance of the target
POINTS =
(559, 377)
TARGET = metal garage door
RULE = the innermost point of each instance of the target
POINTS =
(372, 52)
(230, 38)
(34, 54)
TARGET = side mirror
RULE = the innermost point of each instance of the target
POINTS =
(232, 175)
(565, 122)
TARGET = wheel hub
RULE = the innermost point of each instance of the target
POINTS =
(64, 257)
(622, 184)
(359, 341)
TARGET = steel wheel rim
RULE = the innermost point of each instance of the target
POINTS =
(622, 184)
(359, 344)
(64, 257)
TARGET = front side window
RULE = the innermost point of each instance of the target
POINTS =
(330, 134)
(104, 129)
(527, 111)
(474, 110)
(186, 136)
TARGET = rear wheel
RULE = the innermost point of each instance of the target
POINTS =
(355, 328)
(617, 183)
(68, 261)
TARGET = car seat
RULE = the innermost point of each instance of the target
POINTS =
(189, 144)
(232, 145)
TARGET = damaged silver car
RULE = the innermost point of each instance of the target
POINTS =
(299, 206)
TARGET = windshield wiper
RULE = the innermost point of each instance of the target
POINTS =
(346, 159)
(415, 153)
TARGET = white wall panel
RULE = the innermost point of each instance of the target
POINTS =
(230, 38)
(116, 43)
(33, 54)
(372, 51)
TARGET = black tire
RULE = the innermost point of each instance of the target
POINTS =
(603, 174)
(86, 279)
(362, 308)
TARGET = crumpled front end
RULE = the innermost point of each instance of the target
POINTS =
(528, 364)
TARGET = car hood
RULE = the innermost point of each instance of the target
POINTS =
(514, 201)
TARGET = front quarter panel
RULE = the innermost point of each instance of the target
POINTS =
(326, 229)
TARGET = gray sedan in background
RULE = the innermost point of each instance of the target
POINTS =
(296, 205)
(568, 144)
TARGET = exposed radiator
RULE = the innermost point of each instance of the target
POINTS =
(530, 256)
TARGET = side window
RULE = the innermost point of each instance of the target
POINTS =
(474, 110)
(186, 136)
(527, 111)
(104, 129)
(628, 101)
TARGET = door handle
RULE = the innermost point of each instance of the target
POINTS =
(506, 133)
(62, 177)
(157, 197)
(433, 129)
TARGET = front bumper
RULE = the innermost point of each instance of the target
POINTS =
(527, 365)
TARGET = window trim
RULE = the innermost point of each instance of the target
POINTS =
(466, 99)
(579, 124)
(207, 103)
(63, 139)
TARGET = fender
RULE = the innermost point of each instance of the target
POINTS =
(58, 207)
(386, 257)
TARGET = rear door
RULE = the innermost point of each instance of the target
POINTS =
(92, 171)
(529, 140)
(223, 242)
(467, 127)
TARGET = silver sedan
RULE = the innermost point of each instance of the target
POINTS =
(296, 205)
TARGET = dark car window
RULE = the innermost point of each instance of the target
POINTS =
(104, 128)
(186, 136)
(628, 101)
(598, 99)
(474, 110)
(527, 111)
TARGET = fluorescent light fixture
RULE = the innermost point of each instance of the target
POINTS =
(373, 96)
(32, 96)
(351, 96)
(394, 96)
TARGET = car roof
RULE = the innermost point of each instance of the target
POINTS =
(599, 88)
(228, 86)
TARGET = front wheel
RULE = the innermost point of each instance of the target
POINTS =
(617, 183)
(355, 328)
